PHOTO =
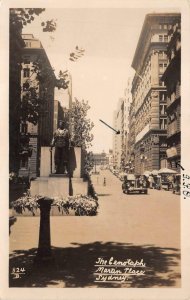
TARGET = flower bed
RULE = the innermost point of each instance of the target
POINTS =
(81, 204)
(26, 202)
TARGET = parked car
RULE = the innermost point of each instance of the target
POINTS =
(122, 175)
(134, 184)
(163, 182)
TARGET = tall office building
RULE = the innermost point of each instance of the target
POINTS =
(172, 79)
(121, 123)
(117, 138)
(125, 125)
(149, 95)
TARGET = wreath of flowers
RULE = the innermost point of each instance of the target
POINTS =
(81, 204)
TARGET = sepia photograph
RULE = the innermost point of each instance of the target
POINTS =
(97, 181)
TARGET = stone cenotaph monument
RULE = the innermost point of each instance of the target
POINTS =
(61, 168)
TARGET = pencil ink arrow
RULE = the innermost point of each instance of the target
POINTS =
(178, 164)
(116, 131)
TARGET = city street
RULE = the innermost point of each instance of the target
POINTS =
(79, 110)
(127, 227)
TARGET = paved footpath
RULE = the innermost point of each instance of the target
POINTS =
(127, 226)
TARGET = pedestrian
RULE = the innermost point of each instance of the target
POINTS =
(104, 183)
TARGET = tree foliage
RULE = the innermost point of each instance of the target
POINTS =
(41, 78)
(88, 161)
(43, 72)
(20, 17)
(81, 127)
(81, 124)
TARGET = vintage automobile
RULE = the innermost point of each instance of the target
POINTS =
(163, 182)
(122, 175)
(134, 184)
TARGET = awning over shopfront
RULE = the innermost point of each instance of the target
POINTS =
(154, 172)
(166, 171)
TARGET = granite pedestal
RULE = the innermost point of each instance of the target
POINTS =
(59, 185)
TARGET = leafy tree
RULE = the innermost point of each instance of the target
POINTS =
(31, 106)
(20, 17)
(88, 161)
(42, 75)
(81, 127)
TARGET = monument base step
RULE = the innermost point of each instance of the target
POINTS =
(59, 175)
(58, 186)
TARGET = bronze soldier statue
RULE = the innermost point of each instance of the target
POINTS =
(61, 142)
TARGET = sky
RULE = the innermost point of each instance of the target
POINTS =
(109, 37)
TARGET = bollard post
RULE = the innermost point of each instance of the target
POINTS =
(44, 245)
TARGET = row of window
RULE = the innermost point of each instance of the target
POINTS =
(26, 72)
(163, 96)
(165, 26)
(163, 123)
(143, 86)
(162, 55)
(163, 38)
(28, 44)
(161, 82)
(163, 108)
(142, 92)
(162, 67)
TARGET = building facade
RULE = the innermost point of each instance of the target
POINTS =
(123, 133)
(117, 138)
(130, 167)
(100, 159)
(37, 76)
(110, 158)
(16, 45)
(125, 126)
(114, 140)
(172, 79)
(149, 95)
(121, 123)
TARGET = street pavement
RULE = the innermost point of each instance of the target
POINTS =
(127, 226)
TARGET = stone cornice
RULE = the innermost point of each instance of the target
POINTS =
(144, 40)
